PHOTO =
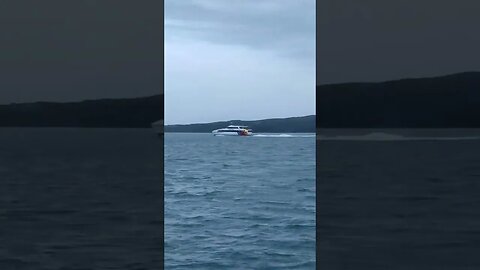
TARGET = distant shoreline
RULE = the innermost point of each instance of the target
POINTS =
(451, 101)
(103, 113)
(300, 124)
(253, 132)
(72, 127)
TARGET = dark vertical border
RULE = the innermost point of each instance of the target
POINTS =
(317, 75)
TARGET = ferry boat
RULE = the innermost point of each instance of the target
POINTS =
(233, 130)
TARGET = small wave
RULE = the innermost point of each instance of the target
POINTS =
(380, 136)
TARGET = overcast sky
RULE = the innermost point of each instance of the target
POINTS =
(244, 59)
(376, 40)
(58, 50)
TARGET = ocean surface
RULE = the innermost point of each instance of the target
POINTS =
(76, 199)
(239, 202)
(398, 199)
(387, 199)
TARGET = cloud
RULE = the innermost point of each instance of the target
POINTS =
(283, 26)
(245, 59)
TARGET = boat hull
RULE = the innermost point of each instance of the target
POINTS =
(235, 133)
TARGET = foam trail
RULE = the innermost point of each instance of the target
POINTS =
(284, 135)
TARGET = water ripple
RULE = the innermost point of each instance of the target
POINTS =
(239, 203)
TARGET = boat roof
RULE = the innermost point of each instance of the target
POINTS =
(234, 126)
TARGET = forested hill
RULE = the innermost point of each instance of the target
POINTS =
(293, 124)
(129, 112)
(440, 102)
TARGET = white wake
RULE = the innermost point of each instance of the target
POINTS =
(284, 135)
(380, 136)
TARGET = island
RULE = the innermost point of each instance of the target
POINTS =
(302, 124)
(106, 113)
(451, 101)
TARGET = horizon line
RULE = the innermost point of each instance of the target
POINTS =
(220, 121)
(80, 100)
(400, 79)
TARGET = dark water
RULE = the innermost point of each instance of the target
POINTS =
(239, 202)
(80, 199)
(399, 199)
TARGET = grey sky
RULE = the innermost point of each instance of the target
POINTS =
(376, 40)
(59, 50)
(244, 59)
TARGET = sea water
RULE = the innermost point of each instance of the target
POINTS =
(239, 202)
(80, 199)
(398, 199)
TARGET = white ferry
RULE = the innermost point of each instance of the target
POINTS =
(233, 130)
